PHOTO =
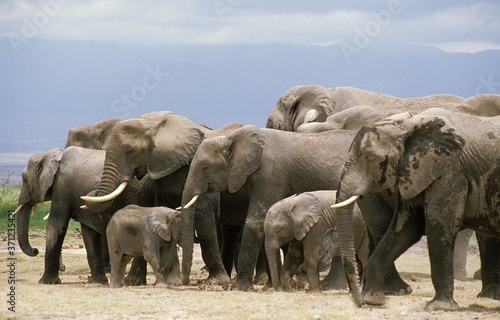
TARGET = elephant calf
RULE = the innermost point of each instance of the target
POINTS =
(308, 224)
(152, 232)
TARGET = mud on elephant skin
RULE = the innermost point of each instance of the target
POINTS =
(445, 168)
(307, 223)
(162, 144)
(62, 177)
(152, 232)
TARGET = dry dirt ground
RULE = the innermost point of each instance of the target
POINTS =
(76, 299)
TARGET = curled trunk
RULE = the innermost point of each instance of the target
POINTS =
(347, 248)
(23, 222)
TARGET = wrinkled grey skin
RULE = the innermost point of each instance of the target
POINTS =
(313, 103)
(484, 105)
(94, 136)
(445, 168)
(350, 119)
(302, 221)
(152, 232)
(62, 177)
(163, 144)
(269, 165)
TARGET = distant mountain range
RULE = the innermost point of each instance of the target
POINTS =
(49, 87)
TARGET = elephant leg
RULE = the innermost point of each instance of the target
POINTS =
(206, 228)
(405, 230)
(311, 266)
(118, 263)
(490, 266)
(229, 241)
(56, 228)
(105, 253)
(152, 256)
(137, 273)
(378, 216)
(293, 260)
(460, 254)
(335, 279)
(92, 241)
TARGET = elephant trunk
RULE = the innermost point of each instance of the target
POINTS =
(23, 216)
(347, 247)
(187, 237)
(272, 254)
(109, 187)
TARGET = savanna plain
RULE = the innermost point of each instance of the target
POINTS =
(76, 299)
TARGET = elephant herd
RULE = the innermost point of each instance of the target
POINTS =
(339, 174)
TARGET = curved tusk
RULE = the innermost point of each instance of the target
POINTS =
(190, 203)
(108, 197)
(346, 202)
(47, 216)
(18, 208)
(84, 207)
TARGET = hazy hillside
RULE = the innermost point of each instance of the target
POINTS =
(76, 84)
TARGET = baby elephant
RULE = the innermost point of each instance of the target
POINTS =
(152, 232)
(307, 223)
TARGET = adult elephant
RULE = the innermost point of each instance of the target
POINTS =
(163, 144)
(94, 136)
(445, 168)
(269, 165)
(314, 103)
(62, 177)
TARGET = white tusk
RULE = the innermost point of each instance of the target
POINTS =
(311, 116)
(346, 202)
(190, 203)
(47, 216)
(33, 210)
(84, 207)
(18, 208)
(108, 197)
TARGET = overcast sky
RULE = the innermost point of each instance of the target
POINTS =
(458, 26)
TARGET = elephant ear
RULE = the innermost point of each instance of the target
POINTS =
(432, 147)
(176, 140)
(245, 154)
(46, 168)
(157, 223)
(305, 213)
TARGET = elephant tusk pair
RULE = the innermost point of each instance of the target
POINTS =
(108, 197)
(190, 203)
(345, 202)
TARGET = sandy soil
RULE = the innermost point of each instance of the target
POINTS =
(74, 298)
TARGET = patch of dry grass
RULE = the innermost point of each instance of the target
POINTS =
(79, 300)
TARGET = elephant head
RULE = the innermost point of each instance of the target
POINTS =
(94, 136)
(221, 163)
(288, 219)
(299, 105)
(165, 222)
(403, 152)
(38, 176)
(157, 143)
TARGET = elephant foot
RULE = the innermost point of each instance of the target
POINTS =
(374, 298)
(49, 280)
(135, 280)
(261, 279)
(101, 279)
(243, 285)
(397, 287)
(442, 304)
(185, 280)
(174, 281)
(491, 291)
(220, 278)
